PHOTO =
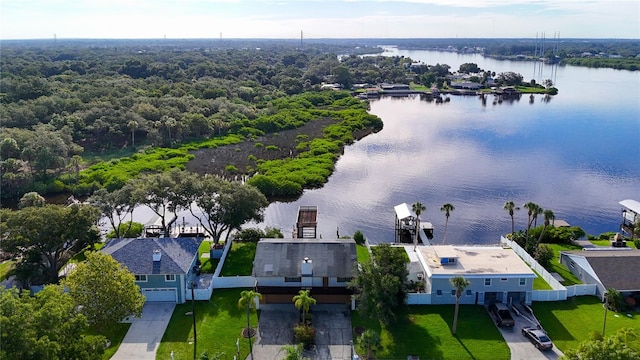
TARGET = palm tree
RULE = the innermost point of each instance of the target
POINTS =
(533, 210)
(303, 301)
(417, 208)
(511, 207)
(247, 299)
(133, 125)
(460, 284)
(447, 208)
(370, 341)
(548, 217)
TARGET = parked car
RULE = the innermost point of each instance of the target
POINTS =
(538, 337)
(501, 314)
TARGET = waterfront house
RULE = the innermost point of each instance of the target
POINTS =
(495, 274)
(282, 267)
(164, 268)
(607, 268)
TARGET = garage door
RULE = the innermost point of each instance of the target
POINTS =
(160, 295)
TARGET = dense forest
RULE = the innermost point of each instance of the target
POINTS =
(78, 115)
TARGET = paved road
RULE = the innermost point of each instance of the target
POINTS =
(521, 348)
(145, 333)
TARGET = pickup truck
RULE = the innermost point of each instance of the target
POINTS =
(501, 314)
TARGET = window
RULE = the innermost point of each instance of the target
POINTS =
(344, 279)
(487, 282)
(141, 278)
(438, 292)
(468, 292)
(453, 293)
(523, 281)
(170, 277)
(292, 279)
(504, 279)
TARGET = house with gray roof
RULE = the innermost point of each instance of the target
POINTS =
(607, 268)
(282, 267)
(163, 267)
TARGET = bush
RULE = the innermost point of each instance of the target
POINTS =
(231, 169)
(544, 255)
(636, 242)
(304, 334)
(249, 235)
(358, 236)
(129, 229)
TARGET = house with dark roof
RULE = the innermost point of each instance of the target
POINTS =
(163, 267)
(282, 267)
(607, 268)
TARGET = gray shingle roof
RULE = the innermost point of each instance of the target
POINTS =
(282, 257)
(137, 254)
(616, 269)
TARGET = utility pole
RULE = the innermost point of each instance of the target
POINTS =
(193, 314)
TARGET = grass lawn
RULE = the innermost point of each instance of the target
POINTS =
(607, 243)
(363, 254)
(572, 321)
(219, 323)
(569, 278)
(539, 283)
(82, 255)
(208, 265)
(5, 267)
(115, 335)
(426, 331)
(239, 260)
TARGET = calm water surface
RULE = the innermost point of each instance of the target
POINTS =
(578, 155)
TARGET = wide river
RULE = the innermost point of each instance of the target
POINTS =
(577, 154)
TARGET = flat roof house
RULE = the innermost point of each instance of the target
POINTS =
(282, 267)
(496, 274)
(163, 267)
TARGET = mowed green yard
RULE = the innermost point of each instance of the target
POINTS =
(572, 321)
(425, 331)
(219, 323)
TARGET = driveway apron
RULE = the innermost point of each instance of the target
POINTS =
(145, 333)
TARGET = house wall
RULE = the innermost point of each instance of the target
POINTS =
(582, 274)
(478, 290)
(158, 281)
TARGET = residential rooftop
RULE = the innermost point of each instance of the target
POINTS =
(473, 261)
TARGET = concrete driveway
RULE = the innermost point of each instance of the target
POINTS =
(275, 329)
(521, 348)
(145, 333)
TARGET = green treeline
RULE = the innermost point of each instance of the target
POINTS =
(632, 64)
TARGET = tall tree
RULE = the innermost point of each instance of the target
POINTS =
(44, 326)
(417, 208)
(104, 291)
(380, 291)
(533, 210)
(460, 284)
(510, 207)
(549, 216)
(447, 208)
(42, 239)
(248, 301)
(116, 206)
(303, 301)
(221, 205)
(611, 347)
(159, 192)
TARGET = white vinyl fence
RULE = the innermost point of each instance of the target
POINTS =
(559, 292)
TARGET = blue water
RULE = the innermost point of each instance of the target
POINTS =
(578, 155)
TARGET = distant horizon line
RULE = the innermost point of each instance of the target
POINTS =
(314, 38)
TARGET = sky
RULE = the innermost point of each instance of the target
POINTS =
(178, 19)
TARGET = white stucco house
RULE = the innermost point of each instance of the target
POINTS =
(496, 274)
